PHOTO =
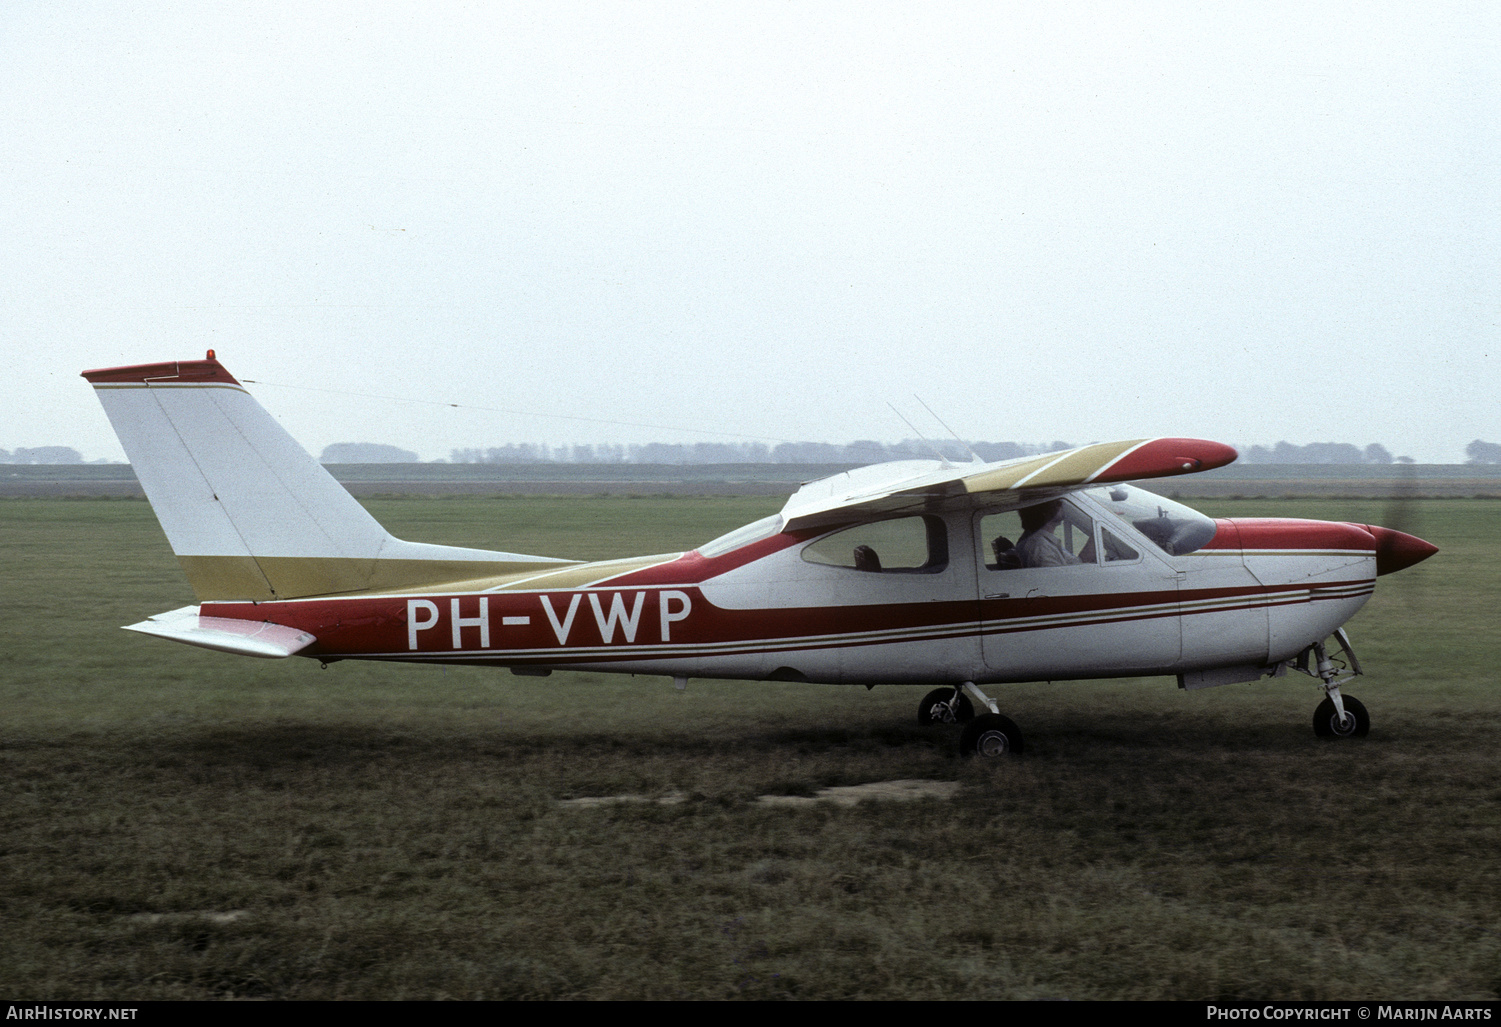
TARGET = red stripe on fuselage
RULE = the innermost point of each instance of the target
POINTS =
(380, 625)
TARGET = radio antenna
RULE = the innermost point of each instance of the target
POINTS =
(973, 455)
(936, 451)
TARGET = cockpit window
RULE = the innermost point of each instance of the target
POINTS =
(911, 544)
(1055, 534)
(1172, 527)
(743, 536)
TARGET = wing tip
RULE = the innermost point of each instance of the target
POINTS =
(1166, 457)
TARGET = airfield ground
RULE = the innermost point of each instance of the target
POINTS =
(179, 823)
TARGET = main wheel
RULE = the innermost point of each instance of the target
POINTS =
(991, 735)
(937, 708)
(1326, 722)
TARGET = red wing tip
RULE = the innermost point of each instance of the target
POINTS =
(1201, 454)
(1160, 458)
(186, 371)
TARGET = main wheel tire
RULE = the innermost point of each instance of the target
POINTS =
(936, 708)
(1326, 723)
(991, 735)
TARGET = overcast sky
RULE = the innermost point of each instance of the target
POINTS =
(1243, 222)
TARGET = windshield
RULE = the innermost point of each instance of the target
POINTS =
(1173, 527)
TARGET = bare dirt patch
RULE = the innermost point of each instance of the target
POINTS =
(670, 799)
(848, 795)
(210, 916)
(843, 795)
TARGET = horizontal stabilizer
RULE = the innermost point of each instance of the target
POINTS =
(244, 637)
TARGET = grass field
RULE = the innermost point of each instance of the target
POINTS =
(178, 823)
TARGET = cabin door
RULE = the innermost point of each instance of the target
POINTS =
(1082, 597)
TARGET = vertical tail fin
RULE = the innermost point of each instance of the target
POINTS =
(249, 513)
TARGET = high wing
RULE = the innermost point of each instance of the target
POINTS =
(914, 486)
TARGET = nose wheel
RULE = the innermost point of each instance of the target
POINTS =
(1328, 723)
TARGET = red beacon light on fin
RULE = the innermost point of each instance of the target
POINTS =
(210, 355)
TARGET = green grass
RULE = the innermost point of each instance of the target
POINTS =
(381, 832)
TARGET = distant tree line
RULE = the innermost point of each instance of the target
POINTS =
(1320, 453)
(1483, 452)
(863, 451)
(41, 455)
(867, 451)
(366, 453)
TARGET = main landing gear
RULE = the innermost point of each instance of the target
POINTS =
(1338, 716)
(945, 706)
(990, 734)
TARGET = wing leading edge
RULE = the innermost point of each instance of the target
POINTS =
(914, 485)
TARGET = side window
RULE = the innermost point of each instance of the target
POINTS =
(1061, 535)
(910, 544)
(1115, 549)
(999, 534)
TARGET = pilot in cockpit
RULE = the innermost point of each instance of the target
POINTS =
(1038, 546)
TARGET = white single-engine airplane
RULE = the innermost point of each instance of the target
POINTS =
(912, 572)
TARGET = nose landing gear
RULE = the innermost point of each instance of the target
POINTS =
(1338, 716)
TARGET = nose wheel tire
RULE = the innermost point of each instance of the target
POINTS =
(1326, 722)
(940, 707)
(991, 736)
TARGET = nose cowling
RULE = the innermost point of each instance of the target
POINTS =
(1397, 550)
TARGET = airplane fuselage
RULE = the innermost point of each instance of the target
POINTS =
(1258, 593)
